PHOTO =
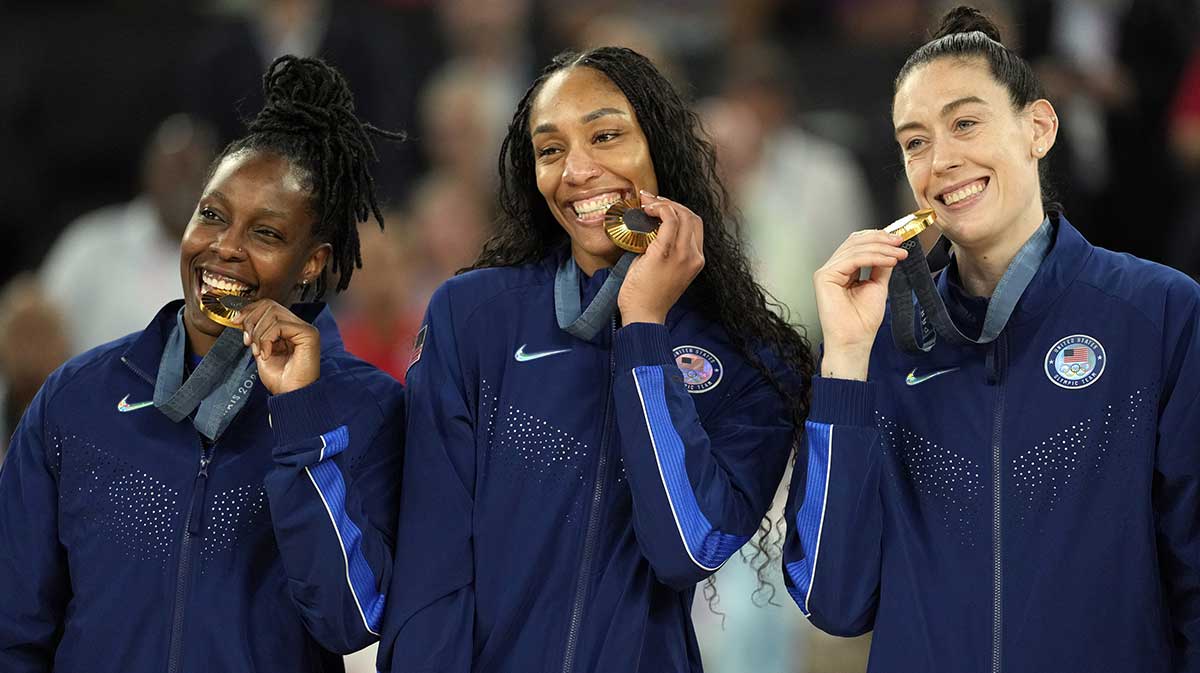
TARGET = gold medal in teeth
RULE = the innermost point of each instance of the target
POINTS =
(222, 307)
(912, 224)
(629, 226)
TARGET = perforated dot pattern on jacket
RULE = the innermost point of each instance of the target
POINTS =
(118, 502)
(949, 484)
(1054, 469)
(230, 516)
(533, 450)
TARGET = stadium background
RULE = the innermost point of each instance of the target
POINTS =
(110, 111)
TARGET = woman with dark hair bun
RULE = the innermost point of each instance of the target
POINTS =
(592, 432)
(189, 498)
(1006, 477)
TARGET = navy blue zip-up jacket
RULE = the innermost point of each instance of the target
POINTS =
(562, 498)
(128, 545)
(1028, 505)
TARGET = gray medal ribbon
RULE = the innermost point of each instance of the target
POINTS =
(587, 323)
(216, 390)
(912, 277)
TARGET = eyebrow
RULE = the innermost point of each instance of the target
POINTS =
(587, 119)
(260, 212)
(946, 110)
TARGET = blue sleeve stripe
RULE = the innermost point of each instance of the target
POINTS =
(327, 478)
(810, 520)
(707, 547)
(334, 442)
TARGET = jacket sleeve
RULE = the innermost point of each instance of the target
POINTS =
(1177, 476)
(699, 491)
(34, 580)
(333, 493)
(831, 554)
(430, 617)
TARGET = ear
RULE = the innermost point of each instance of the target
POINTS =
(317, 259)
(1044, 121)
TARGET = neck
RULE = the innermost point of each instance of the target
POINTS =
(589, 264)
(198, 342)
(982, 265)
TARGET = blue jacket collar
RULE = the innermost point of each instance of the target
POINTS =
(144, 354)
(1068, 253)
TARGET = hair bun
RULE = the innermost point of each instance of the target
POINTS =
(964, 19)
(304, 93)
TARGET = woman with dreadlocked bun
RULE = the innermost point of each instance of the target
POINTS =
(190, 497)
(596, 432)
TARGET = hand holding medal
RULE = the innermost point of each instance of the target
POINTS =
(673, 257)
(851, 309)
(286, 348)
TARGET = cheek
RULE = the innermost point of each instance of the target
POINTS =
(547, 180)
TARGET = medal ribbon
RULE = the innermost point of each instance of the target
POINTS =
(912, 278)
(587, 323)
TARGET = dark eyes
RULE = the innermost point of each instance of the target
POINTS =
(268, 233)
(209, 214)
(601, 137)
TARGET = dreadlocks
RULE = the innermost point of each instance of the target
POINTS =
(309, 119)
(685, 165)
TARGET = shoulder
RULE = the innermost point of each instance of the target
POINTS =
(84, 370)
(463, 295)
(1157, 292)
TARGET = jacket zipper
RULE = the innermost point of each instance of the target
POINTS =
(194, 527)
(997, 482)
(589, 540)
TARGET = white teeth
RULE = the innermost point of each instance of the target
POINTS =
(223, 282)
(596, 204)
(956, 196)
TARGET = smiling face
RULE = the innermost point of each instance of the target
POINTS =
(251, 234)
(589, 153)
(969, 155)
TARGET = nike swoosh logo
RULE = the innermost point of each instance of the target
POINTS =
(522, 356)
(913, 380)
(124, 406)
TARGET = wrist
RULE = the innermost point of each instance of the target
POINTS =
(846, 362)
(642, 315)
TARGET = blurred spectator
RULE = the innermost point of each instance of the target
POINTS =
(32, 345)
(385, 54)
(113, 267)
(799, 195)
(464, 115)
(1184, 252)
(380, 314)
(403, 265)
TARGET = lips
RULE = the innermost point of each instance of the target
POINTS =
(964, 193)
(592, 208)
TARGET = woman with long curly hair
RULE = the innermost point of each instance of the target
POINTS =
(590, 434)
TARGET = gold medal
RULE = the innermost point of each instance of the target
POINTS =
(221, 308)
(912, 224)
(629, 226)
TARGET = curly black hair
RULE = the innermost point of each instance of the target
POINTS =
(686, 167)
(308, 118)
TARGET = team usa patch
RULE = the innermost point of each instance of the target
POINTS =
(418, 346)
(1075, 362)
(701, 369)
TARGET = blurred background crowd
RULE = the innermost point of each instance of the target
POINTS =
(110, 113)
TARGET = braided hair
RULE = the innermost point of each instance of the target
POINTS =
(686, 167)
(308, 118)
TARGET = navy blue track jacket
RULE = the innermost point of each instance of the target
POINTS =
(562, 498)
(128, 545)
(1028, 505)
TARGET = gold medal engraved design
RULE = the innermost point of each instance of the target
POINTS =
(223, 307)
(629, 226)
(912, 224)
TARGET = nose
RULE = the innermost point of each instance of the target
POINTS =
(946, 158)
(229, 244)
(580, 167)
